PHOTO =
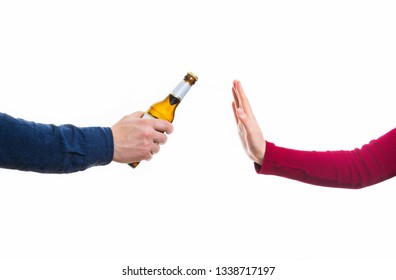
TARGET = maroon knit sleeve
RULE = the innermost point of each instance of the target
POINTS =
(358, 168)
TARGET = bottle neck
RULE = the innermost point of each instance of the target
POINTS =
(181, 90)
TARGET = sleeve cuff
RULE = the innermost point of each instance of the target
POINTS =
(268, 158)
(101, 145)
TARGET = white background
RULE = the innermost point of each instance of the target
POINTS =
(320, 75)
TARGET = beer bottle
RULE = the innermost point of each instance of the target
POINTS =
(166, 108)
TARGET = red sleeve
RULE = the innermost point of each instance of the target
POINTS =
(358, 168)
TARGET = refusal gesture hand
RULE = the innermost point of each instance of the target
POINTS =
(249, 131)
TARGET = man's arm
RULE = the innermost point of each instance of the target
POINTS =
(48, 148)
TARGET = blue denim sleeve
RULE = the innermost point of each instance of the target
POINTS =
(47, 148)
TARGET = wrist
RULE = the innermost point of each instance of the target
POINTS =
(259, 155)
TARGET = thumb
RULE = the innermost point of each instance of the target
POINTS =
(246, 121)
(137, 114)
(243, 117)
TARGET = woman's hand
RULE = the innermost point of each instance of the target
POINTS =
(249, 131)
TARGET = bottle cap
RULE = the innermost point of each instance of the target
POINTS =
(190, 78)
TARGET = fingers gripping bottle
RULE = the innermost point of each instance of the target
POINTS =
(166, 108)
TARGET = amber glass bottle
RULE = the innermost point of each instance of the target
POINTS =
(166, 108)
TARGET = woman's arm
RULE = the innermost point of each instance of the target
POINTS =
(373, 163)
(358, 168)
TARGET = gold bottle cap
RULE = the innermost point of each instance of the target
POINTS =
(190, 78)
